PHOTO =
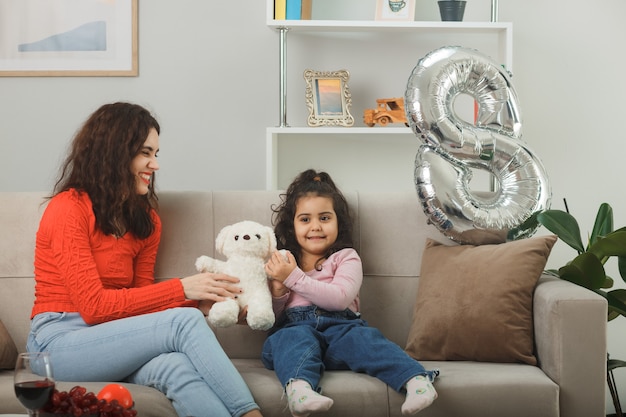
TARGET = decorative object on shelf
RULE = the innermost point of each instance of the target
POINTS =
(451, 148)
(395, 10)
(452, 11)
(389, 110)
(328, 98)
(298, 9)
(280, 9)
(293, 9)
(307, 9)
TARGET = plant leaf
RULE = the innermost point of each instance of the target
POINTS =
(526, 229)
(552, 272)
(603, 224)
(612, 314)
(585, 270)
(617, 301)
(613, 244)
(614, 364)
(564, 225)
(621, 266)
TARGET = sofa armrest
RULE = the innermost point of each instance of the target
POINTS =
(571, 344)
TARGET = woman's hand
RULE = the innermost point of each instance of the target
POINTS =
(206, 286)
(280, 265)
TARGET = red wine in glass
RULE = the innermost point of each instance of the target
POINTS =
(33, 380)
(34, 394)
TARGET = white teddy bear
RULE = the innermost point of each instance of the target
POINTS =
(247, 245)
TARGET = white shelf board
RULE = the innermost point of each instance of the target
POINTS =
(376, 130)
(373, 25)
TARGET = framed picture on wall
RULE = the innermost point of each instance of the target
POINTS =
(395, 10)
(328, 98)
(68, 38)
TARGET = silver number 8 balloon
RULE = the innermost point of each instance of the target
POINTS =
(452, 148)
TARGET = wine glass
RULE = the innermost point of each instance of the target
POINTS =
(33, 380)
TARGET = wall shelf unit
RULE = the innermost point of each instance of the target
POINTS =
(498, 33)
(364, 134)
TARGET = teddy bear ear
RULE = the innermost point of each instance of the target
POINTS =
(220, 240)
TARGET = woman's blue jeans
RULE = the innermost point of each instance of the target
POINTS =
(313, 340)
(174, 351)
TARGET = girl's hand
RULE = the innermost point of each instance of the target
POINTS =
(206, 286)
(277, 288)
(280, 265)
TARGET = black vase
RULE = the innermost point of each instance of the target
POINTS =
(451, 11)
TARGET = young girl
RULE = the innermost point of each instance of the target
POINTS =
(315, 288)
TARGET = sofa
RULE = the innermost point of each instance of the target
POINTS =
(391, 231)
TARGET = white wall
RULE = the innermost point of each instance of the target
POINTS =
(210, 73)
(569, 75)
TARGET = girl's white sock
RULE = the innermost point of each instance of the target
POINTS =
(420, 393)
(303, 400)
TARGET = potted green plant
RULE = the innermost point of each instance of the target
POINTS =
(587, 267)
(452, 10)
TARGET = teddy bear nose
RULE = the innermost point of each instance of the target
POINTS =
(246, 237)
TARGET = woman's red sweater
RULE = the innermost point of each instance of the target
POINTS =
(80, 269)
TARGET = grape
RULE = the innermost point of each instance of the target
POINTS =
(78, 391)
(78, 402)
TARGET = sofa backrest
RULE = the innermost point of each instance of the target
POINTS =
(390, 233)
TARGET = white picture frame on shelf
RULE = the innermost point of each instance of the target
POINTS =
(328, 98)
(398, 10)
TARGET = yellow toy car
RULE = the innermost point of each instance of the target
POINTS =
(389, 110)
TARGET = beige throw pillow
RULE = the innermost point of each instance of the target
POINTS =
(475, 303)
(8, 351)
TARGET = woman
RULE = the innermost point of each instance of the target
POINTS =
(97, 310)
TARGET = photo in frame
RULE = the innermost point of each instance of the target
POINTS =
(400, 10)
(68, 38)
(328, 98)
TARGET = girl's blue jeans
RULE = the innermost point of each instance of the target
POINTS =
(313, 340)
(174, 351)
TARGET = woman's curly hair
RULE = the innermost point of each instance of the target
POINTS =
(311, 183)
(98, 163)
